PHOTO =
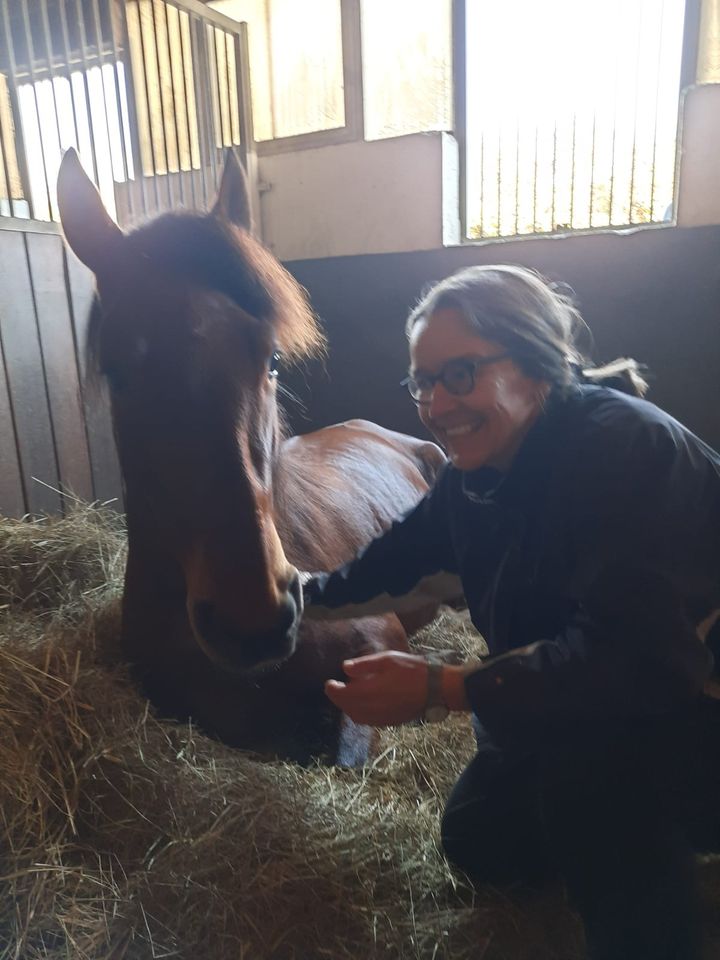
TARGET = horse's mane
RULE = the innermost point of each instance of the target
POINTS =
(212, 253)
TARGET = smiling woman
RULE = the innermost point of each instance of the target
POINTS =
(582, 524)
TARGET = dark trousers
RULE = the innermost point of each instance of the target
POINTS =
(616, 808)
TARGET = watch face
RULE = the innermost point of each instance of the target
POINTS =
(436, 714)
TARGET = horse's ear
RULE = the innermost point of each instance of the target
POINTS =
(233, 199)
(88, 229)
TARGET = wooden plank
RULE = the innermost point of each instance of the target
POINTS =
(12, 497)
(107, 482)
(26, 380)
(47, 270)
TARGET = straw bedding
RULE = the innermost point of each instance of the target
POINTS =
(125, 836)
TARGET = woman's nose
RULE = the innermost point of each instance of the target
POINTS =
(440, 401)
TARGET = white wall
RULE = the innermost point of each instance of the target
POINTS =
(401, 194)
(376, 197)
(699, 160)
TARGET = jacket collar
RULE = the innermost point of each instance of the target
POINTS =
(528, 473)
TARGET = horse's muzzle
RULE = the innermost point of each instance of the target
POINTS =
(233, 649)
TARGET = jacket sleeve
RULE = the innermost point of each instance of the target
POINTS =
(637, 515)
(408, 567)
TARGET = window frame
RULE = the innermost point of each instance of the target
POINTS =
(354, 127)
(688, 74)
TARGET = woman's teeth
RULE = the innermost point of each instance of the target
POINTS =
(461, 430)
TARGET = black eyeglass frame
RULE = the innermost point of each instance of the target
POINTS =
(470, 364)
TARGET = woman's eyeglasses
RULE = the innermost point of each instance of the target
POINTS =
(457, 376)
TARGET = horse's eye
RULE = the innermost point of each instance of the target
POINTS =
(273, 365)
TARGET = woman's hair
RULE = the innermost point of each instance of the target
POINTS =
(535, 320)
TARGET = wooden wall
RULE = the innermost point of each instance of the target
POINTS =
(55, 436)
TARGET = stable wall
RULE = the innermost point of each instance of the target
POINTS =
(652, 293)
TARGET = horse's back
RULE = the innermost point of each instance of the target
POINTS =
(361, 445)
(343, 485)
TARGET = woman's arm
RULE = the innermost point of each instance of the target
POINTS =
(408, 567)
(388, 688)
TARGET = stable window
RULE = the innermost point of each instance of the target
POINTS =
(569, 113)
(150, 92)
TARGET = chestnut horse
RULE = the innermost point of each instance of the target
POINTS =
(191, 318)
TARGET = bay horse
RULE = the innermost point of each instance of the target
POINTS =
(192, 315)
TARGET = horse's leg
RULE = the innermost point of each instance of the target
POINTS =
(356, 743)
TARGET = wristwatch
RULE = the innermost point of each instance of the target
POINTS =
(436, 709)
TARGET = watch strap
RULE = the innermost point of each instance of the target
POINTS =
(435, 707)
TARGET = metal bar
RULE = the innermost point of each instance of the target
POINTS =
(200, 67)
(161, 99)
(229, 55)
(271, 68)
(174, 104)
(6, 137)
(86, 90)
(499, 180)
(655, 119)
(690, 44)
(66, 52)
(187, 106)
(133, 124)
(231, 64)
(33, 84)
(198, 9)
(633, 151)
(535, 180)
(151, 139)
(5, 166)
(459, 73)
(51, 68)
(592, 168)
(214, 91)
(554, 177)
(351, 39)
(517, 171)
(101, 64)
(225, 139)
(572, 170)
(482, 188)
(613, 142)
(242, 80)
(121, 118)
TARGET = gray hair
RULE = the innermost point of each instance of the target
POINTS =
(536, 321)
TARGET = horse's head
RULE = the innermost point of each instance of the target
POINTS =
(192, 314)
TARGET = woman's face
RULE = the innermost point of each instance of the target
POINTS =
(486, 426)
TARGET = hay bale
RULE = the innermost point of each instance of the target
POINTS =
(129, 837)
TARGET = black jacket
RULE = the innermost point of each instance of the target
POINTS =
(587, 567)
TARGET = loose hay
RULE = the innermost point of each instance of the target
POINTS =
(129, 837)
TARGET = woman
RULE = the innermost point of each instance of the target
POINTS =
(582, 525)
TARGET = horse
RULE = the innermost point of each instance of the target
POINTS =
(192, 317)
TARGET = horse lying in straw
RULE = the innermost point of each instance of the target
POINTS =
(192, 316)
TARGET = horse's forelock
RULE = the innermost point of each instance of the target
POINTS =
(297, 332)
(221, 257)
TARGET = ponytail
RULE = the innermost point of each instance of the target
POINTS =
(622, 374)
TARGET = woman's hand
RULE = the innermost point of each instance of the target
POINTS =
(382, 689)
